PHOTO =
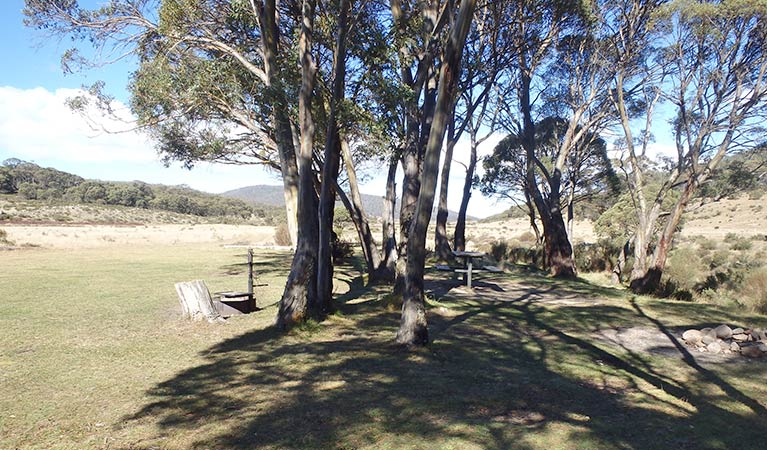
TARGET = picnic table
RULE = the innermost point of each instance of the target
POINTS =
(469, 269)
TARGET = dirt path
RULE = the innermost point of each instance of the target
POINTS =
(644, 337)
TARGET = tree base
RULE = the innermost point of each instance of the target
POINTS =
(647, 284)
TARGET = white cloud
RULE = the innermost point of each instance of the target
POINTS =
(36, 124)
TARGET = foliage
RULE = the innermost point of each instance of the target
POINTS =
(742, 172)
(282, 235)
(754, 290)
(619, 221)
(588, 174)
(4, 238)
(600, 256)
(712, 274)
(33, 182)
(514, 253)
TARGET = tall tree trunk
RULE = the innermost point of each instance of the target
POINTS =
(651, 280)
(460, 224)
(370, 250)
(557, 248)
(299, 300)
(617, 273)
(267, 16)
(413, 328)
(441, 243)
(331, 167)
(390, 254)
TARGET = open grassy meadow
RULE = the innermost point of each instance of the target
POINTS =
(94, 354)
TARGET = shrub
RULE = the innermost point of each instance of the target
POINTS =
(499, 250)
(707, 244)
(685, 269)
(282, 235)
(754, 290)
(597, 257)
(342, 250)
(4, 238)
(526, 237)
(731, 237)
(741, 244)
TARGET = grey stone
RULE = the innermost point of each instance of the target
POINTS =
(734, 347)
(723, 332)
(758, 334)
(740, 337)
(762, 346)
(709, 337)
(738, 330)
(692, 336)
(714, 347)
(751, 352)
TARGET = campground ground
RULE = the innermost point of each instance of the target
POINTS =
(94, 354)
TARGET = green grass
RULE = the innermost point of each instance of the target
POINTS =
(94, 354)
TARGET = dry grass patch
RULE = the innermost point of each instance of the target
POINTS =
(94, 355)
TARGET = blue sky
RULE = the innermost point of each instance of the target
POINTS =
(36, 126)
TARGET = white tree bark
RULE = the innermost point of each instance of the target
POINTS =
(196, 301)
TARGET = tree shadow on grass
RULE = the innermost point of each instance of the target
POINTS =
(497, 376)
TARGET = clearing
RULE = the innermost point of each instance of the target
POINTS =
(94, 354)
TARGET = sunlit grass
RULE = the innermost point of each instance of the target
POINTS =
(94, 354)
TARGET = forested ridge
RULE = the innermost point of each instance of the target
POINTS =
(32, 182)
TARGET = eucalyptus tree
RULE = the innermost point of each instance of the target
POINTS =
(475, 113)
(716, 81)
(586, 174)
(212, 81)
(413, 328)
(558, 48)
(417, 33)
(217, 80)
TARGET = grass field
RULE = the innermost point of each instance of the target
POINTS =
(94, 354)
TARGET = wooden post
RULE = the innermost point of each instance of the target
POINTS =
(196, 301)
(250, 272)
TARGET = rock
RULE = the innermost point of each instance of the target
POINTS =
(758, 334)
(709, 337)
(692, 336)
(762, 346)
(738, 330)
(740, 337)
(723, 331)
(714, 347)
(751, 352)
(734, 347)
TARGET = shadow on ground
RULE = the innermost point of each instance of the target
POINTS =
(499, 374)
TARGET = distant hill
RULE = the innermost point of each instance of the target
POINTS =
(273, 196)
(25, 186)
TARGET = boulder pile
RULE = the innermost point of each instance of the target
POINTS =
(723, 339)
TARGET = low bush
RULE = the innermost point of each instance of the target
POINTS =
(499, 250)
(342, 251)
(282, 235)
(685, 270)
(527, 237)
(754, 290)
(4, 238)
(742, 244)
(517, 254)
